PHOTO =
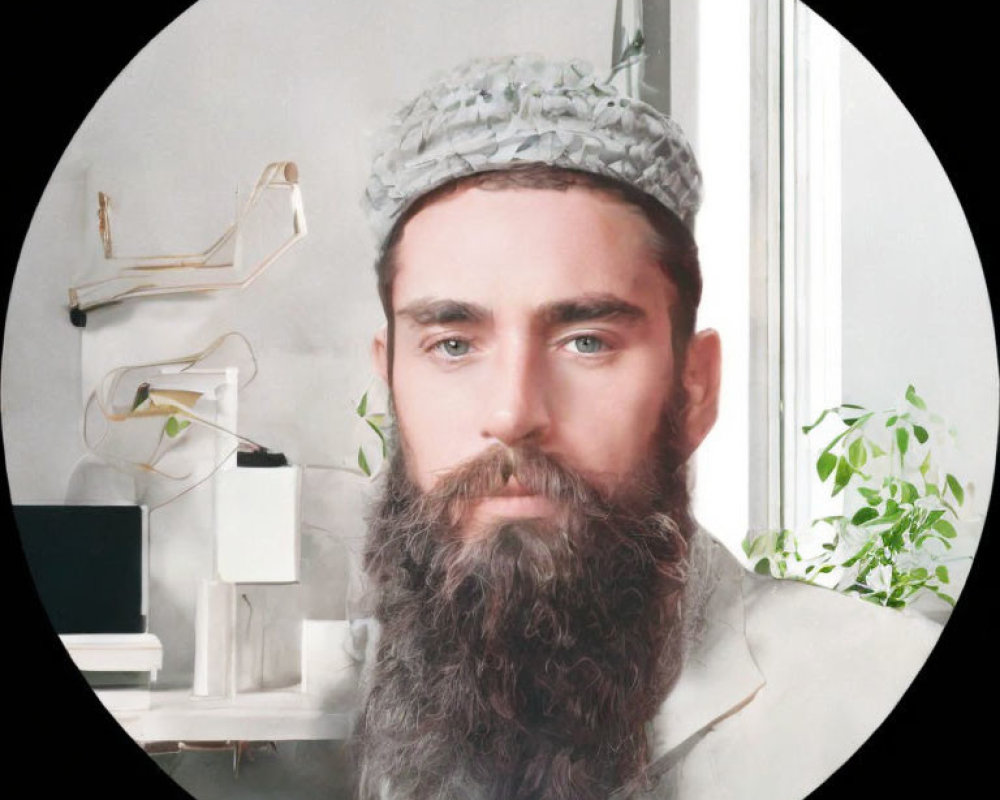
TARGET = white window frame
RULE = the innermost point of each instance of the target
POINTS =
(795, 266)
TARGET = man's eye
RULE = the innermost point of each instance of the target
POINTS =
(587, 345)
(453, 348)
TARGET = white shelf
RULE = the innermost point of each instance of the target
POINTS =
(274, 715)
(117, 652)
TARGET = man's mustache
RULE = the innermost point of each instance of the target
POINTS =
(492, 472)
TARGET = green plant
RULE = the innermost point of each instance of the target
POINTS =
(891, 542)
(375, 421)
(173, 426)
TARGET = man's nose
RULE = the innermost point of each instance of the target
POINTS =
(518, 405)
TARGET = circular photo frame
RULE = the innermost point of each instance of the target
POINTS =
(210, 197)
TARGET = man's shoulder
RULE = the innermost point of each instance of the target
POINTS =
(829, 668)
(815, 643)
(779, 612)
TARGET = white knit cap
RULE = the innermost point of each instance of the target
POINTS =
(491, 113)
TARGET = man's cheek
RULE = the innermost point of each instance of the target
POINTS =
(430, 446)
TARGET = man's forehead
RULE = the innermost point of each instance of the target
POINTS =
(543, 246)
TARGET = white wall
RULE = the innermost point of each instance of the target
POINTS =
(230, 86)
(915, 306)
(225, 89)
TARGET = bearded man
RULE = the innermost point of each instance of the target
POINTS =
(553, 625)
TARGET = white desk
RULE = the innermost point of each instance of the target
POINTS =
(286, 714)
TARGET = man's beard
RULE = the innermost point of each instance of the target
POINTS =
(523, 663)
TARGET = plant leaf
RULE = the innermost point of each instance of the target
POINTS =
(819, 419)
(363, 462)
(843, 475)
(933, 517)
(863, 515)
(902, 440)
(871, 495)
(381, 435)
(856, 453)
(913, 399)
(956, 488)
(942, 573)
(891, 421)
(876, 450)
(860, 554)
(925, 465)
(857, 421)
(362, 408)
(762, 567)
(172, 427)
(921, 433)
(945, 528)
(908, 492)
(825, 464)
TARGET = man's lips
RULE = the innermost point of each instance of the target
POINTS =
(513, 501)
(513, 488)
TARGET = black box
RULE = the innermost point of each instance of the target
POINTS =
(88, 564)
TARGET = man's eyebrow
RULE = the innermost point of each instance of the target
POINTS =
(427, 311)
(590, 307)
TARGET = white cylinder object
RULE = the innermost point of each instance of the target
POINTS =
(215, 614)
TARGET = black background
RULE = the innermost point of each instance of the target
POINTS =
(940, 59)
(942, 64)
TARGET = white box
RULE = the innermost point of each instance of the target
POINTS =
(329, 670)
(257, 524)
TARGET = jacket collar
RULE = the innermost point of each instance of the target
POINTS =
(720, 675)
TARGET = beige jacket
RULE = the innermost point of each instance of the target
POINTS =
(785, 683)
